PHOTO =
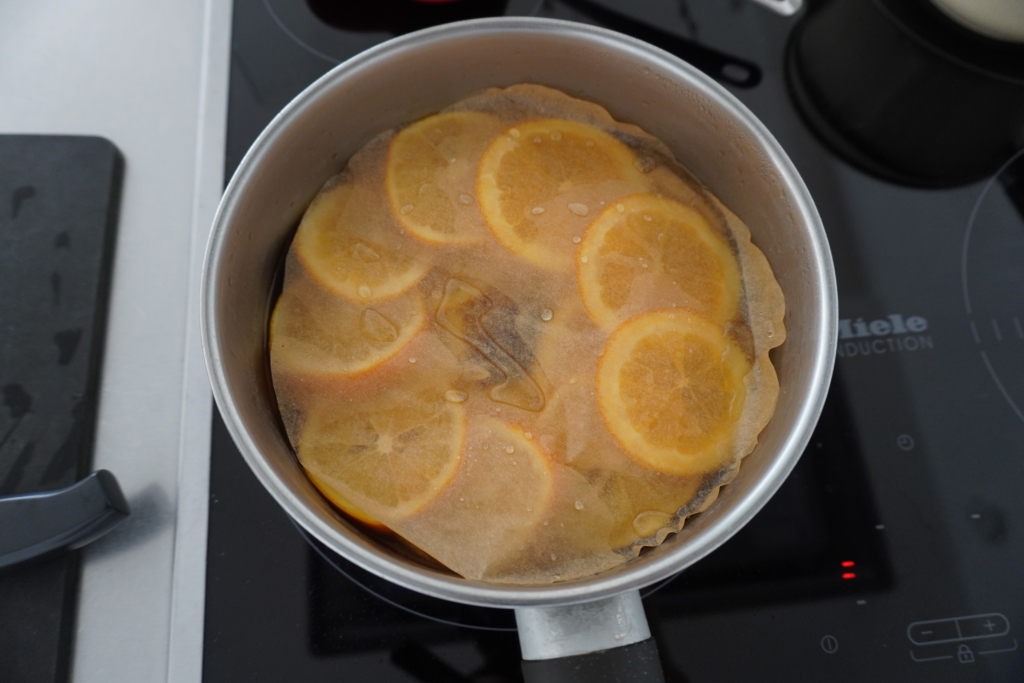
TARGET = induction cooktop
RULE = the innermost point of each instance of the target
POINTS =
(893, 551)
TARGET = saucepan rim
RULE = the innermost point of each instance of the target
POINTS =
(651, 569)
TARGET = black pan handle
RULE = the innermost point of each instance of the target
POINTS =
(636, 663)
(44, 524)
(719, 65)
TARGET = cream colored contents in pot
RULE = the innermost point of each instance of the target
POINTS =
(519, 336)
(999, 19)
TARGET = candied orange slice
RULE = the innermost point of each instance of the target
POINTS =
(513, 480)
(648, 248)
(316, 333)
(342, 503)
(541, 182)
(383, 457)
(504, 490)
(431, 176)
(670, 387)
(350, 243)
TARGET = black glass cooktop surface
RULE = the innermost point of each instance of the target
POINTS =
(892, 553)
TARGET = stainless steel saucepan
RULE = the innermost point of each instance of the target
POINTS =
(564, 627)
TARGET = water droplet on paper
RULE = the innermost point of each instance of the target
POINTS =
(590, 143)
(465, 199)
(407, 209)
(529, 508)
(553, 557)
(647, 218)
(644, 164)
(583, 259)
(452, 160)
(647, 523)
(579, 504)
(573, 380)
(412, 360)
(643, 265)
(364, 291)
(528, 435)
(510, 449)
(455, 396)
(579, 209)
(555, 135)
(537, 210)
(577, 239)
(514, 132)
(536, 139)
(365, 253)
(620, 208)
(547, 314)
(376, 327)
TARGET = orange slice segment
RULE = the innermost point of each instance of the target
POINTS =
(502, 493)
(383, 457)
(670, 387)
(541, 182)
(350, 243)
(314, 332)
(649, 250)
(342, 503)
(431, 176)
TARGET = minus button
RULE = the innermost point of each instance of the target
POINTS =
(924, 632)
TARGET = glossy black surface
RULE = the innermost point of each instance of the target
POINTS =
(913, 474)
(905, 93)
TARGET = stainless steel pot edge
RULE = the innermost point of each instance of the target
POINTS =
(603, 585)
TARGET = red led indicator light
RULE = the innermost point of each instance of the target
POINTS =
(849, 575)
(848, 563)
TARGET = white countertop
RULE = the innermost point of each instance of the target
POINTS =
(151, 78)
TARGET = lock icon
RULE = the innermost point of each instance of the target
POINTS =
(964, 654)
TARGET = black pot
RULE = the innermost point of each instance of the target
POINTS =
(905, 93)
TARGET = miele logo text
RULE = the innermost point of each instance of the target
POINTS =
(891, 334)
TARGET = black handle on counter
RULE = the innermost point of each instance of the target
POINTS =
(636, 663)
(719, 65)
(42, 524)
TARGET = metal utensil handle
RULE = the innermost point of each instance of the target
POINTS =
(44, 524)
(606, 640)
(784, 7)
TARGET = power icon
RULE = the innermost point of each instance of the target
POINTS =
(905, 442)
(830, 645)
